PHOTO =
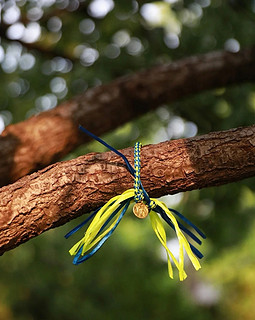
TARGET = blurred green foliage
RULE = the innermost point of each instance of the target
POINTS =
(85, 44)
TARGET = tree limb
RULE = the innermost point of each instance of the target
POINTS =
(43, 139)
(65, 190)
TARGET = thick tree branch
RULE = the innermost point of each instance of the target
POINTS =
(65, 190)
(41, 140)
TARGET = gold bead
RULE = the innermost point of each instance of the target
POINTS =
(140, 210)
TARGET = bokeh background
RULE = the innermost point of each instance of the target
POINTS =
(51, 50)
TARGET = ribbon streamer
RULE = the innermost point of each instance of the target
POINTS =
(107, 218)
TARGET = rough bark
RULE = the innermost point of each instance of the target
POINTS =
(65, 190)
(43, 139)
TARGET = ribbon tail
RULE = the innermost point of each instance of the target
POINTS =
(77, 260)
(81, 224)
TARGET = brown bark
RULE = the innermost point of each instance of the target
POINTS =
(41, 140)
(65, 190)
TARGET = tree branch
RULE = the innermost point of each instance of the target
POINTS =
(64, 190)
(41, 140)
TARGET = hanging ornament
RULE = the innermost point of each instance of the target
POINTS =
(105, 220)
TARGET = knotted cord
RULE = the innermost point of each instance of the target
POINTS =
(106, 219)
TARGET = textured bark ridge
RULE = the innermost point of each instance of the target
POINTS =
(65, 190)
(43, 139)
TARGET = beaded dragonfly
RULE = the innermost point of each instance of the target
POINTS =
(106, 219)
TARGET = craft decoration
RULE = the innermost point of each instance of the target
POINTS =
(106, 219)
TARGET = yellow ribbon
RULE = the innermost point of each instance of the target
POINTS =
(92, 235)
